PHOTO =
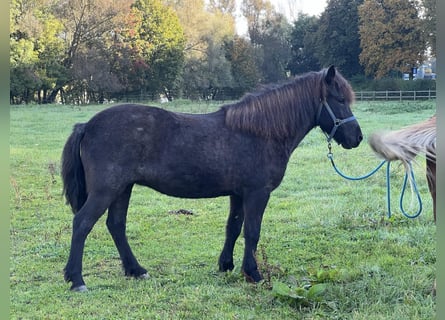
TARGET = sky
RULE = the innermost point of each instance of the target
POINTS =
(290, 8)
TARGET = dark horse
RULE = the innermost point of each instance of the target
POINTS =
(240, 151)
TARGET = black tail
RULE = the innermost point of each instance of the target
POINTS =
(73, 175)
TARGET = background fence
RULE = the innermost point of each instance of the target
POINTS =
(395, 95)
(226, 95)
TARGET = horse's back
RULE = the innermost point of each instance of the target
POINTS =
(127, 116)
(131, 130)
(161, 149)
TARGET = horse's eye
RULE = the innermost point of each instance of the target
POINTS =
(341, 100)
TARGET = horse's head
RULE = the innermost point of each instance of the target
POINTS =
(334, 115)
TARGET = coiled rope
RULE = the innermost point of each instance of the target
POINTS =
(388, 184)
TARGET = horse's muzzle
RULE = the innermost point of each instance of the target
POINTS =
(353, 143)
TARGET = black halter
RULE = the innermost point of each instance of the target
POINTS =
(337, 122)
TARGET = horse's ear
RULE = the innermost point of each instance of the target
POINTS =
(330, 74)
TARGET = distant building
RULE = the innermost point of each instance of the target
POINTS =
(427, 70)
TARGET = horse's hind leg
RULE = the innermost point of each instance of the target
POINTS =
(83, 222)
(233, 230)
(431, 178)
(116, 223)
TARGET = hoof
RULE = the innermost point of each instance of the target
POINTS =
(143, 276)
(81, 288)
(226, 266)
(254, 277)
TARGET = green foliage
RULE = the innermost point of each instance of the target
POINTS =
(384, 38)
(206, 69)
(22, 53)
(159, 43)
(297, 296)
(362, 83)
(257, 14)
(35, 50)
(303, 47)
(337, 37)
(269, 35)
(245, 72)
(273, 44)
(205, 78)
(85, 48)
(430, 23)
(89, 51)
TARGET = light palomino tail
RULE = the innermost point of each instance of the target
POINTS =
(405, 144)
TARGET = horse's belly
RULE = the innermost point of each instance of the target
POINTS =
(189, 186)
(181, 179)
(194, 194)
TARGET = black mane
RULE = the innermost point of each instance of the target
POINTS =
(273, 110)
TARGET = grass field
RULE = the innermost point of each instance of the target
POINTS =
(327, 248)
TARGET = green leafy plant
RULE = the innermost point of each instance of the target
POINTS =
(296, 296)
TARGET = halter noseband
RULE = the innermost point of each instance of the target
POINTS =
(337, 122)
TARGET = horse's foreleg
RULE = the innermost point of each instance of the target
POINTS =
(254, 205)
(116, 223)
(233, 230)
(83, 222)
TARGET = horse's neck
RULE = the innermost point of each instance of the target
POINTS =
(302, 131)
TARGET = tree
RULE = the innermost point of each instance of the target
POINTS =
(157, 38)
(223, 6)
(89, 50)
(273, 43)
(95, 79)
(256, 12)
(85, 22)
(302, 41)
(268, 33)
(206, 70)
(208, 77)
(392, 36)
(35, 49)
(337, 37)
(429, 19)
(245, 73)
(194, 20)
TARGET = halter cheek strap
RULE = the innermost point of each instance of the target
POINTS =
(337, 122)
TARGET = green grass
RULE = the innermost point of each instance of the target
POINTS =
(318, 229)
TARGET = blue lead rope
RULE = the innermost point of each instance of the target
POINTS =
(331, 157)
(388, 184)
(416, 191)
